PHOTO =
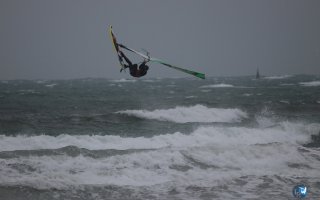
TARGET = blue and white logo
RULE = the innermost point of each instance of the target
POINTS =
(300, 191)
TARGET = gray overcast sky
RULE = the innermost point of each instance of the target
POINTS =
(59, 39)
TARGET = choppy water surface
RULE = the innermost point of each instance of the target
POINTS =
(220, 138)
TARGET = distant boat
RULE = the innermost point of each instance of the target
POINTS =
(257, 75)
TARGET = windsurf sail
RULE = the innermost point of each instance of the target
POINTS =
(156, 60)
(116, 48)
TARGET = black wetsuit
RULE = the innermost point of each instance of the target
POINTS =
(134, 70)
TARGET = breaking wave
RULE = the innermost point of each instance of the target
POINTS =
(221, 85)
(197, 113)
(285, 132)
(205, 156)
(278, 77)
(310, 84)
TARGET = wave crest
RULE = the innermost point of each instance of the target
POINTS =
(221, 85)
(197, 113)
(310, 84)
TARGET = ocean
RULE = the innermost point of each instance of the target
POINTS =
(177, 138)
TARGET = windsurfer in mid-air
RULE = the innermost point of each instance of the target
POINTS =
(142, 70)
(134, 70)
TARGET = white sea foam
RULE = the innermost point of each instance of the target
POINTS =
(150, 80)
(284, 101)
(197, 113)
(124, 80)
(207, 155)
(310, 84)
(41, 81)
(278, 77)
(51, 85)
(221, 85)
(287, 84)
(28, 91)
(190, 97)
(265, 122)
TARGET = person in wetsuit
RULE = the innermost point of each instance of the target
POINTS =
(134, 70)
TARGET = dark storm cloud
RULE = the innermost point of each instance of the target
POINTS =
(68, 39)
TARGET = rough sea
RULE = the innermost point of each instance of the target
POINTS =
(184, 138)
